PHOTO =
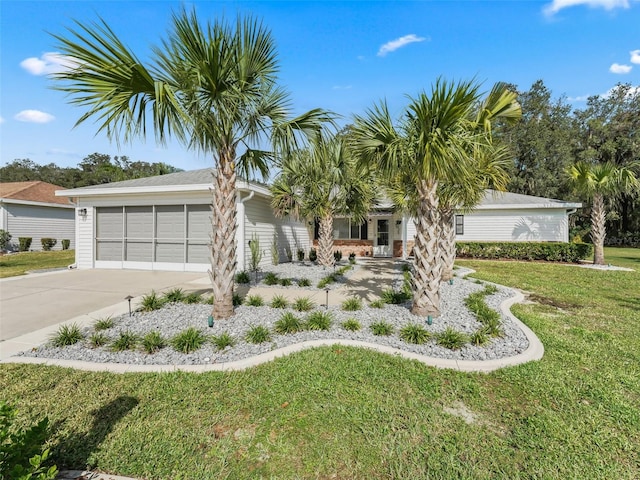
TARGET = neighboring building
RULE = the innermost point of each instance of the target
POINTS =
(164, 223)
(32, 209)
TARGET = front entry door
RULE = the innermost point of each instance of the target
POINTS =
(382, 248)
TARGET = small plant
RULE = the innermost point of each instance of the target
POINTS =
(394, 297)
(352, 257)
(174, 295)
(351, 324)
(271, 279)
(490, 289)
(492, 329)
(209, 300)
(303, 304)
(286, 282)
(304, 282)
(313, 255)
(237, 300)
(331, 278)
(193, 297)
(126, 341)
(48, 243)
(103, 324)
(24, 243)
(319, 321)
(223, 341)
(98, 339)
(337, 255)
(258, 334)
(288, 323)
(256, 254)
(67, 335)
(377, 303)
(278, 301)
(300, 255)
(452, 339)
(479, 337)
(151, 302)
(381, 328)
(152, 342)
(352, 304)
(414, 333)
(188, 340)
(288, 253)
(5, 238)
(254, 301)
(243, 277)
(66, 243)
(406, 267)
(275, 254)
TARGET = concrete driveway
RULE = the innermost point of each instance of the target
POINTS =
(33, 302)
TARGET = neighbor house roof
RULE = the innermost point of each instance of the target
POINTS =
(31, 193)
(493, 200)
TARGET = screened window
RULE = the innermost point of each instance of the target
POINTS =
(345, 229)
(459, 224)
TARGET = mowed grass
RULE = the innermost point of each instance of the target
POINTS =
(339, 412)
(21, 263)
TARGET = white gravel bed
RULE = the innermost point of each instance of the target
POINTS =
(296, 271)
(176, 317)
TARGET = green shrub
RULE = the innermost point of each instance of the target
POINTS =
(152, 342)
(98, 339)
(243, 277)
(22, 452)
(254, 301)
(103, 324)
(188, 340)
(414, 333)
(126, 341)
(490, 289)
(304, 282)
(24, 243)
(344, 269)
(271, 279)
(381, 328)
(300, 255)
(351, 324)
(331, 278)
(303, 304)
(394, 297)
(548, 251)
(286, 282)
(275, 254)
(174, 295)
(352, 304)
(237, 300)
(479, 337)
(256, 253)
(352, 257)
(223, 341)
(151, 302)
(48, 243)
(377, 304)
(278, 301)
(66, 243)
(313, 255)
(67, 335)
(288, 323)
(209, 300)
(319, 321)
(451, 339)
(337, 255)
(5, 238)
(258, 334)
(193, 297)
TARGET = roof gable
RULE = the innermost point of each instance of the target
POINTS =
(34, 191)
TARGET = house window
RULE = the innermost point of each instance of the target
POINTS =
(459, 224)
(344, 229)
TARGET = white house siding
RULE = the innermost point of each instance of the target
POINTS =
(40, 222)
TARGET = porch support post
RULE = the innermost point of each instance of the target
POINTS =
(404, 237)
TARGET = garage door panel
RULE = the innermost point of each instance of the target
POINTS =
(109, 222)
(170, 222)
(109, 250)
(198, 253)
(170, 252)
(137, 251)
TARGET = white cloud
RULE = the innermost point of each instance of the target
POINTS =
(398, 43)
(50, 62)
(1, 120)
(34, 116)
(556, 5)
(620, 69)
(635, 56)
(579, 98)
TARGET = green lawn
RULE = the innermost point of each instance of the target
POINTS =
(21, 263)
(344, 413)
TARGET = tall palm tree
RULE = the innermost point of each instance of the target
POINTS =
(597, 182)
(430, 146)
(211, 87)
(321, 182)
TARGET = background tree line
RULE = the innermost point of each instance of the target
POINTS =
(552, 136)
(94, 169)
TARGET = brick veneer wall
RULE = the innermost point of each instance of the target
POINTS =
(362, 248)
(397, 247)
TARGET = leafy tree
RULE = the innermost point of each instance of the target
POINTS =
(212, 87)
(597, 181)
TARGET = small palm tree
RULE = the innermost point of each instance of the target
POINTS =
(213, 88)
(596, 182)
(321, 182)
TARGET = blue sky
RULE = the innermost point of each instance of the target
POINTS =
(341, 56)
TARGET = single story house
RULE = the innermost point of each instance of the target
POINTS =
(32, 209)
(164, 223)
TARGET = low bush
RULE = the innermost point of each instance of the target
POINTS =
(313, 255)
(377, 304)
(279, 301)
(381, 328)
(286, 282)
(193, 297)
(271, 279)
(126, 341)
(66, 335)
(352, 304)
(151, 302)
(174, 295)
(223, 341)
(304, 282)
(48, 243)
(103, 324)
(98, 339)
(258, 334)
(337, 255)
(152, 342)
(254, 301)
(319, 321)
(479, 338)
(547, 251)
(351, 324)
(303, 304)
(24, 243)
(300, 255)
(452, 339)
(237, 300)
(65, 243)
(394, 297)
(414, 333)
(5, 238)
(288, 323)
(188, 340)
(243, 277)
(352, 257)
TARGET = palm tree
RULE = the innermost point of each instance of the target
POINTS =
(598, 181)
(321, 182)
(432, 145)
(213, 88)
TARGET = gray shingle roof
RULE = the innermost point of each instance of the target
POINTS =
(191, 177)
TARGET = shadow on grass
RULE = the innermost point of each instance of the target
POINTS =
(74, 449)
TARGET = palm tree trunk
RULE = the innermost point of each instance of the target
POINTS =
(447, 243)
(428, 268)
(598, 228)
(325, 241)
(223, 245)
